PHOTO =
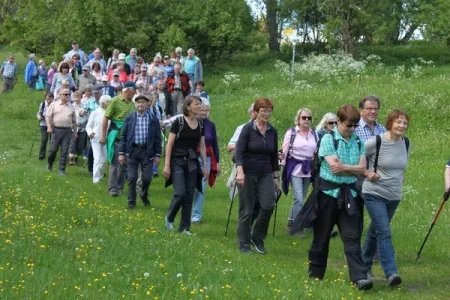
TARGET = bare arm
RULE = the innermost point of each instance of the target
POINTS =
(447, 178)
(104, 130)
(169, 147)
(342, 169)
(230, 148)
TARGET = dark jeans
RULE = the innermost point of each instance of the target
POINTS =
(78, 145)
(379, 235)
(32, 82)
(350, 230)
(116, 171)
(184, 184)
(60, 137)
(45, 137)
(256, 187)
(138, 157)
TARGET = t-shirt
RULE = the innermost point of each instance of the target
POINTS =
(392, 162)
(188, 138)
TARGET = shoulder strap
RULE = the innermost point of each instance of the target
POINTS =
(406, 144)
(377, 152)
(42, 109)
(335, 141)
(291, 141)
(315, 137)
(180, 125)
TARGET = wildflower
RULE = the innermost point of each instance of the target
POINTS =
(146, 275)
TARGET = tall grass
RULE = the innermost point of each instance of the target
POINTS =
(63, 237)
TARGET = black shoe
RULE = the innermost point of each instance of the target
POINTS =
(245, 250)
(155, 175)
(41, 157)
(113, 193)
(131, 206)
(394, 280)
(61, 173)
(49, 167)
(364, 284)
(259, 245)
(146, 203)
(334, 233)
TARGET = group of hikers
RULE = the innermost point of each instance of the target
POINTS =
(351, 160)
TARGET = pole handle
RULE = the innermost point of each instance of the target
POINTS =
(446, 195)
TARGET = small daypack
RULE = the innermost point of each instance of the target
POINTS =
(315, 168)
(378, 147)
(292, 139)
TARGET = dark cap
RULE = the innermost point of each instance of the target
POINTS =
(140, 97)
(166, 57)
(129, 85)
(74, 42)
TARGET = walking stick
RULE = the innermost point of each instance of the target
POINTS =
(278, 196)
(32, 143)
(231, 207)
(445, 198)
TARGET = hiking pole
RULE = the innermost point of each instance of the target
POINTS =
(32, 143)
(446, 195)
(231, 207)
(278, 196)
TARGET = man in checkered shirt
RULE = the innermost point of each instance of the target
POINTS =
(8, 71)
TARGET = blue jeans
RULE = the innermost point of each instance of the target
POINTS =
(381, 212)
(299, 188)
(199, 198)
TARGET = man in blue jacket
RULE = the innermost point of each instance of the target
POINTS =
(31, 72)
(141, 142)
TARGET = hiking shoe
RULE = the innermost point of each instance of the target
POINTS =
(364, 284)
(49, 167)
(245, 250)
(394, 280)
(259, 245)
(131, 206)
(113, 193)
(301, 234)
(187, 232)
(289, 225)
(146, 203)
(61, 173)
(334, 233)
(169, 225)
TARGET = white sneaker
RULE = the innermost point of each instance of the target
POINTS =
(169, 225)
(187, 232)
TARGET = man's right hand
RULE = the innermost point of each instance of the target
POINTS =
(103, 140)
(92, 134)
(121, 159)
(49, 130)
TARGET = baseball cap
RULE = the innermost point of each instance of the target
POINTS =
(122, 56)
(86, 68)
(97, 88)
(129, 85)
(140, 97)
(116, 73)
(105, 78)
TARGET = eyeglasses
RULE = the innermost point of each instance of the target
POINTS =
(371, 108)
(306, 118)
(352, 125)
(65, 94)
(332, 123)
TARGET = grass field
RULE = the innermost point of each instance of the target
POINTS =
(64, 238)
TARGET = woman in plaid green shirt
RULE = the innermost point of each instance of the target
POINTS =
(343, 159)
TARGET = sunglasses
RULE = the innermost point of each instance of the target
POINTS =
(306, 118)
(352, 125)
(332, 123)
(65, 94)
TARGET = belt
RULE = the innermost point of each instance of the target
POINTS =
(62, 127)
(140, 146)
(8, 77)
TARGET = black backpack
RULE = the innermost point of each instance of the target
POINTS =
(315, 168)
(181, 125)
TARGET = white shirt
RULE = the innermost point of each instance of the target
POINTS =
(94, 124)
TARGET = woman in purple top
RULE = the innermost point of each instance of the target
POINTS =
(299, 144)
(212, 162)
(51, 72)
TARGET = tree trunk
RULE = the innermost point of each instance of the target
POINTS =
(409, 33)
(272, 25)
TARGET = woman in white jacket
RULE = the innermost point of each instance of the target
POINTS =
(94, 130)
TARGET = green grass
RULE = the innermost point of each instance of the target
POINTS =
(63, 237)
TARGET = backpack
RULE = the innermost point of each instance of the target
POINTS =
(315, 168)
(378, 147)
(181, 125)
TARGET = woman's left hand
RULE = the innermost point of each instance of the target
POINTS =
(276, 183)
(205, 173)
(219, 171)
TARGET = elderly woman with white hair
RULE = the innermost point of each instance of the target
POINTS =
(299, 144)
(327, 124)
(94, 130)
(212, 162)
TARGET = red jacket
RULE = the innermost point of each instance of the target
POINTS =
(184, 78)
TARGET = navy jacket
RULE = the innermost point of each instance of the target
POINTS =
(153, 137)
